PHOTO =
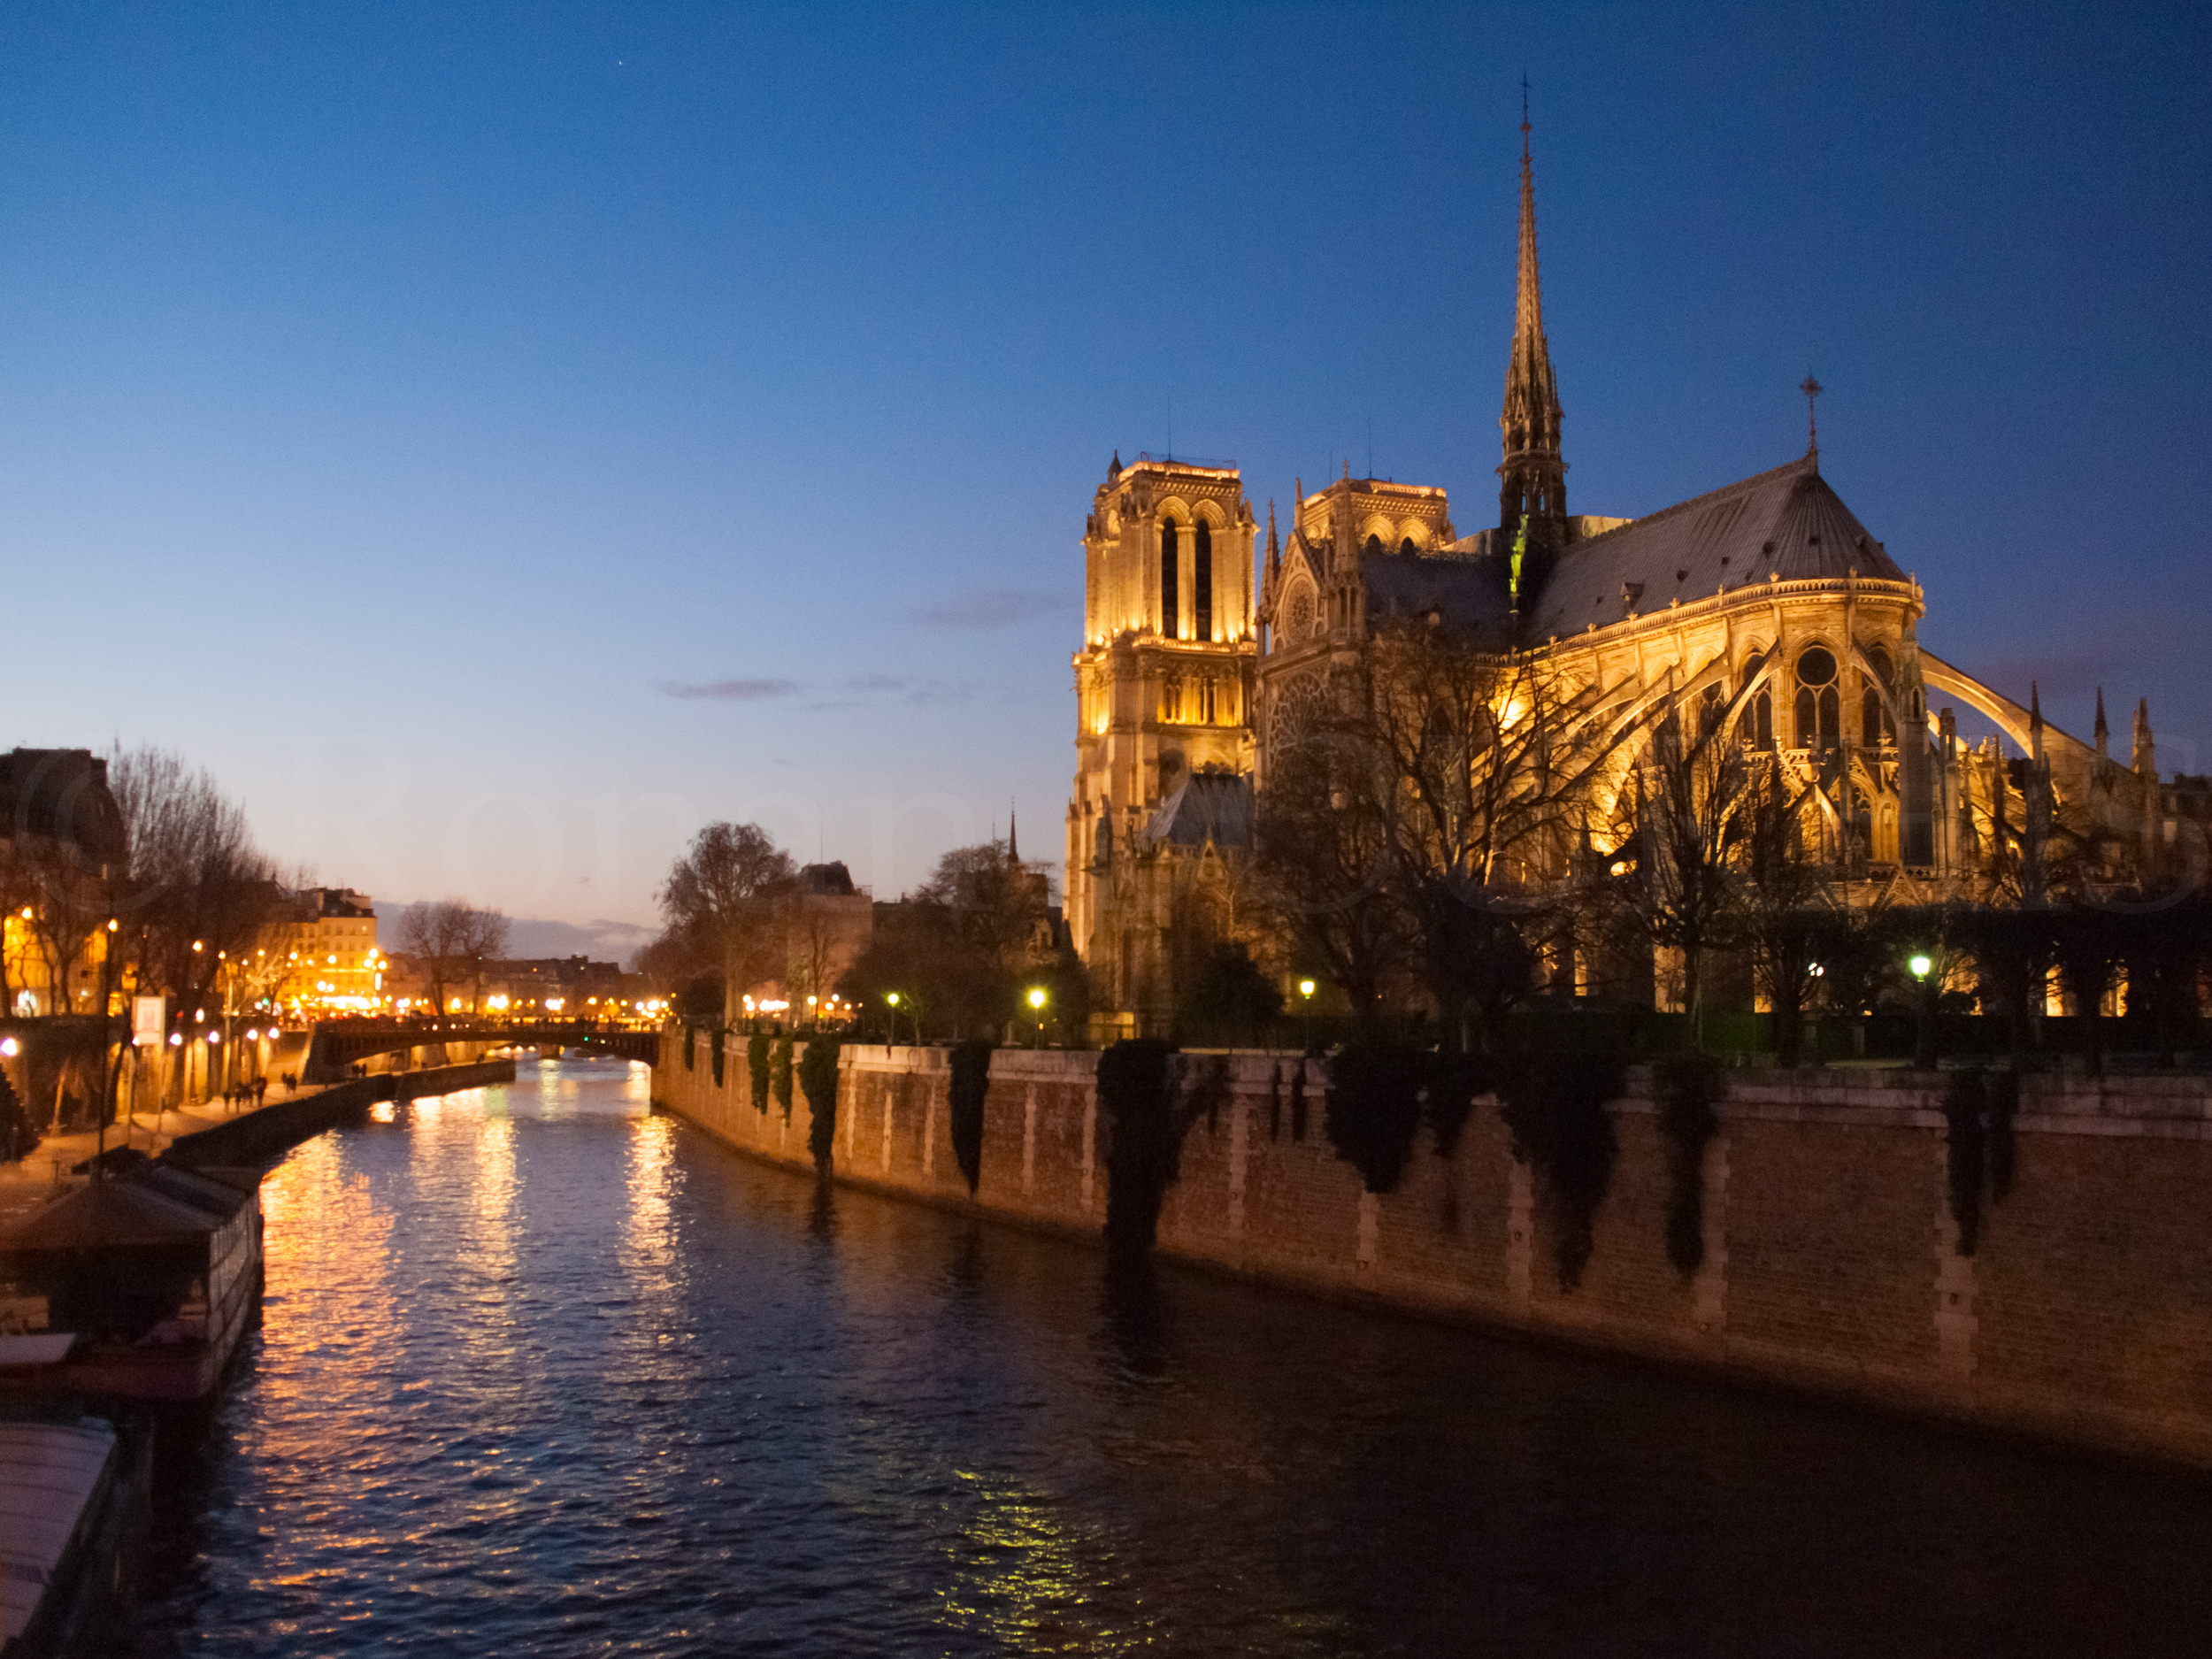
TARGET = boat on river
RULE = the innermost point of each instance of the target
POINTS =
(73, 1498)
(153, 1275)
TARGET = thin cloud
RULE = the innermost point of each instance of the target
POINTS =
(984, 608)
(865, 690)
(731, 690)
(860, 692)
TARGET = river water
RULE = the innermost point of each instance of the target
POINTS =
(542, 1373)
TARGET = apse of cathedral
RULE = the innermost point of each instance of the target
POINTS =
(1763, 610)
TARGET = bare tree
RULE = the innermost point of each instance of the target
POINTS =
(721, 906)
(1783, 912)
(1423, 819)
(1490, 761)
(450, 941)
(1323, 852)
(1688, 801)
(198, 887)
(964, 942)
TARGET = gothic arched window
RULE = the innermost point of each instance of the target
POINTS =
(1374, 545)
(1819, 707)
(1407, 548)
(1171, 558)
(1876, 727)
(1763, 720)
(1202, 581)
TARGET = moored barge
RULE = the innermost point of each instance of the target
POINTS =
(153, 1272)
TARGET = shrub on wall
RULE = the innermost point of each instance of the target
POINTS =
(720, 1039)
(757, 1063)
(1554, 1104)
(780, 1074)
(1206, 1083)
(1454, 1080)
(1144, 1136)
(691, 1035)
(1373, 1105)
(1979, 1152)
(817, 1075)
(969, 1083)
(1686, 1085)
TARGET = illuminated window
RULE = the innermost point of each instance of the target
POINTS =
(1202, 581)
(1763, 720)
(1875, 722)
(1170, 557)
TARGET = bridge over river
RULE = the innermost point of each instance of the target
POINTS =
(337, 1044)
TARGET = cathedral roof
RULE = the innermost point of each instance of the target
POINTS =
(1785, 523)
(1214, 806)
(1468, 595)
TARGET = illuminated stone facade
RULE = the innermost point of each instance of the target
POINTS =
(1764, 609)
(1164, 739)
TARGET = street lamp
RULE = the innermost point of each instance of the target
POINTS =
(891, 1001)
(1923, 1058)
(1305, 992)
(1037, 1006)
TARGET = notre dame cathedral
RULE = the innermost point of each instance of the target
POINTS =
(1764, 604)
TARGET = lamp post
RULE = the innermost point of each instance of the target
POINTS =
(230, 990)
(1037, 1006)
(891, 1002)
(1305, 1003)
(1923, 1058)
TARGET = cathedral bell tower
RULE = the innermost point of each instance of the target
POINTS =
(1533, 477)
(1163, 679)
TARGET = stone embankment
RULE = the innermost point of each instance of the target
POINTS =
(1830, 1260)
(252, 1136)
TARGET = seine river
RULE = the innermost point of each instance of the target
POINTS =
(543, 1374)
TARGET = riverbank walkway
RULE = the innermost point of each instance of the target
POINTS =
(44, 1175)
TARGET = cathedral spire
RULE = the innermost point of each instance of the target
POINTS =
(1533, 476)
(1013, 839)
(2104, 732)
(2144, 760)
(1274, 548)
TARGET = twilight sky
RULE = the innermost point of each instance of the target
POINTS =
(497, 440)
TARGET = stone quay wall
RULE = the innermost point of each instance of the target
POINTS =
(269, 1130)
(1831, 1266)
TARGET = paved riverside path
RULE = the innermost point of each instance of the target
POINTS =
(45, 1173)
(26, 1185)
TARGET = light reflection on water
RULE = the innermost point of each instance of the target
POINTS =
(541, 1373)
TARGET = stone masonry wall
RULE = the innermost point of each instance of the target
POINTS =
(2085, 1314)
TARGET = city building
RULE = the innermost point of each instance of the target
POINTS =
(64, 847)
(319, 955)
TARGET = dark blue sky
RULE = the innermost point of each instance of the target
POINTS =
(397, 404)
